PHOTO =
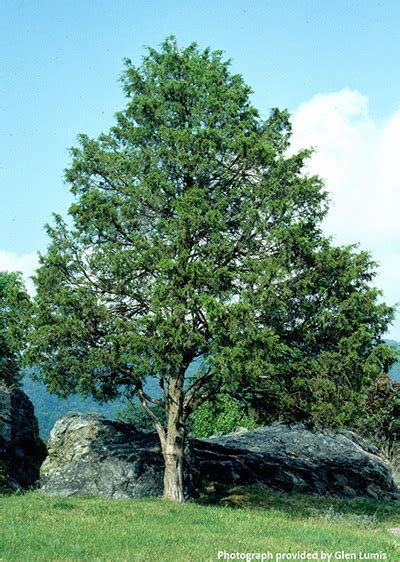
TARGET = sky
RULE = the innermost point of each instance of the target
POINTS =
(333, 64)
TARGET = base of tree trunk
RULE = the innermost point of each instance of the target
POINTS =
(173, 477)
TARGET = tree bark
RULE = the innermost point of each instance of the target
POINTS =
(173, 474)
(174, 443)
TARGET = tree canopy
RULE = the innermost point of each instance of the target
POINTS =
(15, 307)
(194, 235)
(330, 322)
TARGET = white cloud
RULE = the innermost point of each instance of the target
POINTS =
(25, 263)
(358, 157)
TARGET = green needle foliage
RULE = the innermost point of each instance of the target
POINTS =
(382, 421)
(15, 308)
(330, 323)
(193, 234)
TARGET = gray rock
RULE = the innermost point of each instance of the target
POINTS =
(91, 455)
(21, 450)
(292, 458)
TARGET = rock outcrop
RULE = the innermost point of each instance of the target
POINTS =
(21, 450)
(91, 455)
(292, 458)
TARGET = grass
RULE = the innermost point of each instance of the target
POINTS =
(253, 520)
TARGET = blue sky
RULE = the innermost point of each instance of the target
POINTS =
(334, 64)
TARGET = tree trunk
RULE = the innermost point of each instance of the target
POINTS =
(173, 475)
(174, 443)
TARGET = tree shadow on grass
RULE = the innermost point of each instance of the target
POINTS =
(361, 511)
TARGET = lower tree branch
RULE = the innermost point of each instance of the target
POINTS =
(196, 399)
(154, 418)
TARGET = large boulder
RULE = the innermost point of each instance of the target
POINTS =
(293, 458)
(21, 450)
(91, 455)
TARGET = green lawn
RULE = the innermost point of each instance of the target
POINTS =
(35, 528)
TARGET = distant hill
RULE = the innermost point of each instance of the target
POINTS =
(48, 407)
(394, 372)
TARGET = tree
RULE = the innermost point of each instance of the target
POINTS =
(189, 221)
(330, 322)
(382, 415)
(15, 307)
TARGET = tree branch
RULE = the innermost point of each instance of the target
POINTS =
(194, 401)
(198, 383)
(154, 418)
(139, 389)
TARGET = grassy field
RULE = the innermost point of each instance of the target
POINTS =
(35, 528)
